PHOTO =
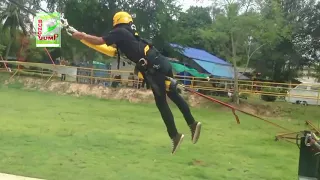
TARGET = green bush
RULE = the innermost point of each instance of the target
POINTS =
(269, 98)
(244, 95)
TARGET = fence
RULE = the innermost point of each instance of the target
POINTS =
(212, 86)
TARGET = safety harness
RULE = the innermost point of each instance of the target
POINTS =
(132, 29)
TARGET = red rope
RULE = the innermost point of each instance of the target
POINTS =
(49, 56)
(234, 109)
(5, 64)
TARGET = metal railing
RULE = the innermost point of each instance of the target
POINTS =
(116, 78)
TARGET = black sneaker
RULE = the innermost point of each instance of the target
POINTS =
(176, 141)
(195, 131)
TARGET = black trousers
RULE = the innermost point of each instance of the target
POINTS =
(144, 82)
(159, 91)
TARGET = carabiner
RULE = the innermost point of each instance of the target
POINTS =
(307, 139)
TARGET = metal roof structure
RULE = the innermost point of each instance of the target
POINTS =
(210, 63)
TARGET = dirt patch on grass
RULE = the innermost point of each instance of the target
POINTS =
(196, 162)
(258, 109)
(75, 89)
(132, 95)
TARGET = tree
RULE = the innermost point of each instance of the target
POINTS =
(73, 11)
(4, 39)
(33, 53)
(311, 43)
(13, 20)
(187, 27)
(239, 33)
(153, 20)
(166, 12)
(290, 54)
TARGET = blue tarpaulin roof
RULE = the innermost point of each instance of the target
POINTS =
(210, 63)
(199, 54)
(216, 69)
(219, 70)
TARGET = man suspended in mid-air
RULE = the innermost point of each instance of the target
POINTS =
(154, 67)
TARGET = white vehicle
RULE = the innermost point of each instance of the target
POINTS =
(305, 93)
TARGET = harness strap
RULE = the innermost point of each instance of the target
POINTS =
(145, 49)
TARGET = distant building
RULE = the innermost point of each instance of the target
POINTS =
(124, 68)
(205, 62)
(307, 75)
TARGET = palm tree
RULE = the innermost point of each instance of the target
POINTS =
(13, 19)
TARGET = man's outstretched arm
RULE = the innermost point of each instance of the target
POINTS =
(95, 43)
(111, 38)
(88, 38)
(94, 39)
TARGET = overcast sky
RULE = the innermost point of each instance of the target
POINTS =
(185, 3)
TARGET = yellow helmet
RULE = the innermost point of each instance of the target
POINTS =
(122, 18)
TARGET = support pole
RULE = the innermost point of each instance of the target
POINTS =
(14, 74)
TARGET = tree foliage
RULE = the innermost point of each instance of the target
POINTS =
(277, 38)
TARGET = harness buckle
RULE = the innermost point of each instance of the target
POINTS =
(143, 62)
(308, 137)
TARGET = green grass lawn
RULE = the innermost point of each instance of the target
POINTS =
(62, 137)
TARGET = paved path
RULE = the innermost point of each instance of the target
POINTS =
(14, 177)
